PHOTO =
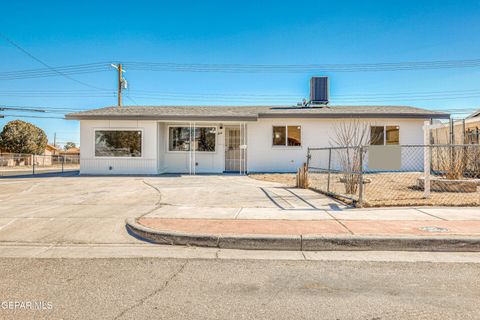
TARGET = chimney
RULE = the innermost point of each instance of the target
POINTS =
(319, 88)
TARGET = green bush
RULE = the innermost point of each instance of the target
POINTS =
(22, 137)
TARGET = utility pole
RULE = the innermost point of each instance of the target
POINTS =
(120, 84)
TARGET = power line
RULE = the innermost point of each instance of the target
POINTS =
(43, 108)
(250, 96)
(69, 70)
(45, 64)
(66, 71)
(21, 109)
(292, 68)
(25, 116)
(131, 99)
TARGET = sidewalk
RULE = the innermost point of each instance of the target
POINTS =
(437, 229)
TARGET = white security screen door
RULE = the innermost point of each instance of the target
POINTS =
(232, 149)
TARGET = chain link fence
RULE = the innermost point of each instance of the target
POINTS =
(374, 176)
(16, 164)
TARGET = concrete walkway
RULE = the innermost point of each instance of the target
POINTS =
(435, 229)
(338, 212)
(317, 227)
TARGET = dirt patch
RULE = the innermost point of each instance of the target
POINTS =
(288, 179)
(382, 189)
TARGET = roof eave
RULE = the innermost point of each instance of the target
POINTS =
(355, 115)
(158, 118)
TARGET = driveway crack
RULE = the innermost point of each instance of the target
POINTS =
(158, 204)
(155, 292)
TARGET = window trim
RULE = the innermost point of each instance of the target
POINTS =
(385, 134)
(276, 146)
(167, 144)
(118, 129)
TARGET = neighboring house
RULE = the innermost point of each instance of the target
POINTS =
(464, 131)
(51, 150)
(70, 152)
(153, 140)
(475, 115)
(473, 128)
(46, 159)
(14, 159)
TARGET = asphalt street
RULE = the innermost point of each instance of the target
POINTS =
(155, 288)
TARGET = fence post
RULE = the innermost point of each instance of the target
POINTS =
(33, 164)
(298, 178)
(63, 162)
(360, 179)
(305, 176)
(426, 160)
(329, 168)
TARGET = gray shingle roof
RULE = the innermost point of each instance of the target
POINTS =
(252, 113)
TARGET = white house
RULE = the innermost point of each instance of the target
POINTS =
(216, 139)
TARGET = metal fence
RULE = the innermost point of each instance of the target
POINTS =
(446, 175)
(15, 164)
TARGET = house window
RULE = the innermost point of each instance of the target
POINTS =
(203, 139)
(384, 135)
(287, 136)
(279, 136)
(179, 139)
(118, 143)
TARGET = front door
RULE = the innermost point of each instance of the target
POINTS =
(232, 149)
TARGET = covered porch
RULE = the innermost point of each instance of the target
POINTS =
(192, 147)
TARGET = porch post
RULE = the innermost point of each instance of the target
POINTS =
(194, 158)
(190, 148)
(240, 147)
(244, 148)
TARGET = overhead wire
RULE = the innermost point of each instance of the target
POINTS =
(69, 70)
(256, 68)
(13, 43)
(29, 116)
(66, 71)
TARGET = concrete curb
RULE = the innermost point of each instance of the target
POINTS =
(307, 242)
(390, 243)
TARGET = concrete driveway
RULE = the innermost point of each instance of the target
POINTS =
(92, 210)
(71, 209)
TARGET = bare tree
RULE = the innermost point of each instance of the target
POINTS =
(452, 161)
(457, 162)
(349, 136)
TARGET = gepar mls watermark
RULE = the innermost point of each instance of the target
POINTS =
(25, 305)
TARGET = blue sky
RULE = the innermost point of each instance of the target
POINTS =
(244, 32)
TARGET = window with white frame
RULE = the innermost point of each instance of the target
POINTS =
(289, 136)
(384, 135)
(203, 139)
(118, 143)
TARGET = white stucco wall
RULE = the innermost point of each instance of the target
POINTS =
(146, 164)
(264, 157)
(261, 155)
